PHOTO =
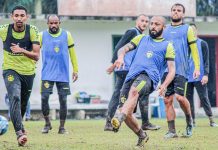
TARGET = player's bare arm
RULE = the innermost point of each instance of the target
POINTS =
(121, 53)
(170, 76)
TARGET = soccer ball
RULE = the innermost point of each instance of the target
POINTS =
(3, 125)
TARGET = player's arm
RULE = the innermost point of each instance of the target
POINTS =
(128, 47)
(73, 56)
(205, 54)
(126, 38)
(170, 55)
(194, 51)
(34, 37)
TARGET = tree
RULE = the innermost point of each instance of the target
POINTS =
(6, 6)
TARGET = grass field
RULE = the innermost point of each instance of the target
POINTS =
(89, 135)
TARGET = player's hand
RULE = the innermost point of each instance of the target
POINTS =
(119, 62)
(110, 69)
(204, 80)
(196, 74)
(162, 90)
(75, 76)
(15, 48)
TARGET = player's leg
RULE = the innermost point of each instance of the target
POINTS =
(28, 111)
(190, 97)
(63, 91)
(114, 102)
(180, 90)
(26, 89)
(141, 85)
(170, 111)
(141, 88)
(115, 121)
(143, 105)
(46, 90)
(203, 95)
(13, 86)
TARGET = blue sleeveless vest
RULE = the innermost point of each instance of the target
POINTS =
(55, 57)
(178, 36)
(128, 57)
(149, 58)
(192, 66)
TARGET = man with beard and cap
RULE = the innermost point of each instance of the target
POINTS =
(142, 22)
(21, 51)
(182, 36)
(57, 46)
(153, 56)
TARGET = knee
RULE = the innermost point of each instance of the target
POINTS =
(179, 98)
(133, 92)
(168, 101)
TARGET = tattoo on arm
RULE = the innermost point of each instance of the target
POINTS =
(126, 48)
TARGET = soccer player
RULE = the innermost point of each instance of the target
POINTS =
(153, 55)
(21, 51)
(142, 22)
(200, 83)
(183, 38)
(57, 46)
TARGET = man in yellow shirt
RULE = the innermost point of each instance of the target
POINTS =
(21, 51)
(57, 46)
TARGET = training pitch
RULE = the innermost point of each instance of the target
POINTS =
(89, 135)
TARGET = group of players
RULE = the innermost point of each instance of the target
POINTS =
(172, 60)
(21, 50)
(140, 61)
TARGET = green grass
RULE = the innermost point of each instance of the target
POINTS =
(89, 135)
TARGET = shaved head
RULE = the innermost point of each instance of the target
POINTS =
(159, 19)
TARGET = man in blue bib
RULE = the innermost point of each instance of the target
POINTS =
(153, 55)
(57, 46)
(200, 83)
(141, 24)
(182, 37)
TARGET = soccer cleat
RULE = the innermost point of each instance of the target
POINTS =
(170, 135)
(62, 130)
(141, 141)
(188, 132)
(115, 124)
(213, 124)
(150, 126)
(21, 138)
(108, 126)
(46, 129)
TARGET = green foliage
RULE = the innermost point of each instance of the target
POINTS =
(89, 135)
(8, 5)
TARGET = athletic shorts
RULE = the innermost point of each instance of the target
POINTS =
(15, 81)
(178, 85)
(142, 83)
(62, 87)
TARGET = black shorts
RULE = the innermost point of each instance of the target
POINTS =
(62, 87)
(142, 83)
(17, 83)
(178, 85)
